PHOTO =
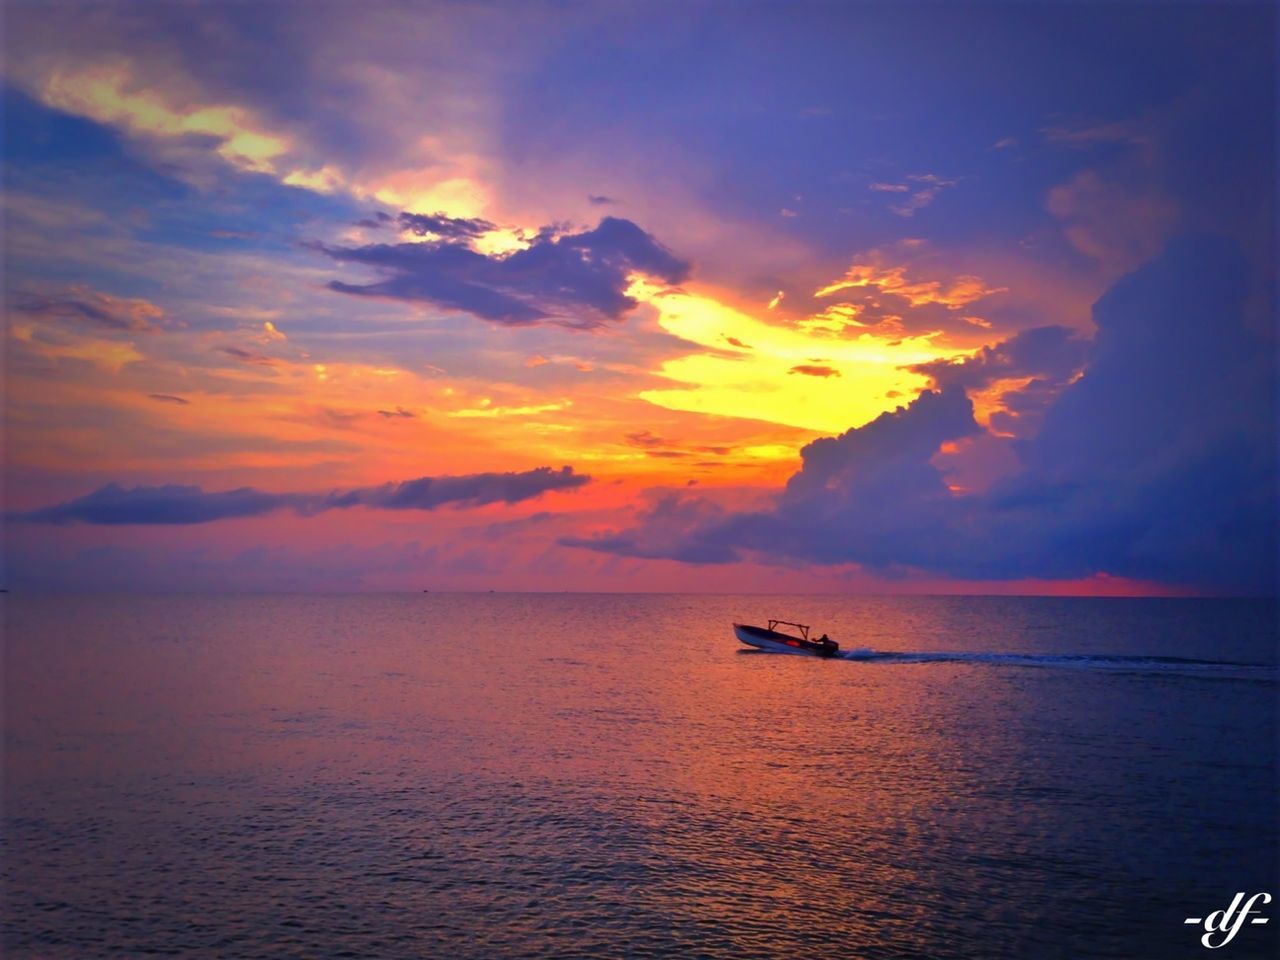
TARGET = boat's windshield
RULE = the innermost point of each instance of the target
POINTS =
(802, 627)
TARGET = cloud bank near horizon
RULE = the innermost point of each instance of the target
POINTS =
(172, 504)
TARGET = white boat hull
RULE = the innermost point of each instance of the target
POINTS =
(764, 643)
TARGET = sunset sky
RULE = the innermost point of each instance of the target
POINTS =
(640, 296)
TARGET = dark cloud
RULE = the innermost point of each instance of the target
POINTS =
(170, 504)
(473, 490)
(168, 398)
(1024, 407)
(453, 228)
(376, 222)
(655, 446)
(814, 370)
(644, 438)
(575, 278)
(1159, 463)
(1051, 356)
(398, 412)
(173, 504)
(1054, 353)
(598, 200)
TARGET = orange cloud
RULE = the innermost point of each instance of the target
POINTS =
(953, 294)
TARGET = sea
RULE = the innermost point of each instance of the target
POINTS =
(496, 775)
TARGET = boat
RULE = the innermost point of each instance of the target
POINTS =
(771, 638)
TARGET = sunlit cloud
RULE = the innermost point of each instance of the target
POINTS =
(90, 307)
(491, 411)
(755, 383)
(109, 93)
(62, 344)
(953, 294)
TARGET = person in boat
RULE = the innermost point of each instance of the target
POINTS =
(824, 639)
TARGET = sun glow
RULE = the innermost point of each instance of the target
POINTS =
(782, 374)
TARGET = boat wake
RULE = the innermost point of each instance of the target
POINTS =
(1223, 669)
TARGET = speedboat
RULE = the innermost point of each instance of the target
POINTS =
(770, 638)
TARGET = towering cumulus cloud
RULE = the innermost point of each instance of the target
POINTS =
(1158, 463)
(576, 278)
(173, 504)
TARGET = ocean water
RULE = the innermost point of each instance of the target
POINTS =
(485, 776)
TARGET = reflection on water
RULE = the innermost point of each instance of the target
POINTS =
(490, 775)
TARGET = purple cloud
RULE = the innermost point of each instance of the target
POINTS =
(579, 279)
(452, 228)
(170, 504)
(1055, 353)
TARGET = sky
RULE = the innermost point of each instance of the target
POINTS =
(864, 297)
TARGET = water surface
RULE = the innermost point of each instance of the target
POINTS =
(460, 775)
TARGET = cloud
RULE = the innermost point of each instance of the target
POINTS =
(598, 200)
(579, 279)
(451, 228)
(85, 305)
(923, 189)
(655, 446)
(1055, 352)
(814, 370)
(110, 93)
(270, 334)
(644, 438)
(1158, 464)
(871, 277)
(1118, 222)
(472, 490)
(376, 222)
(173, 504)
(1091, 135)
(168, 398)
(1017, 380)
(248, 356)
(169, 504)
(663, 531)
